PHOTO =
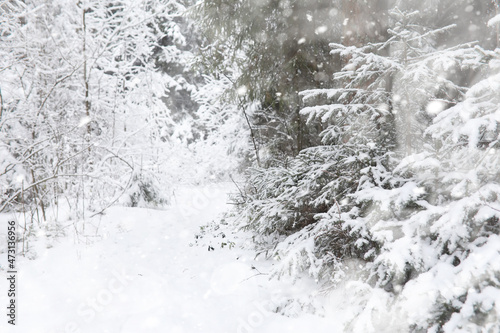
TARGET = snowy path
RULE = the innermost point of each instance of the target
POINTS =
(145, 277)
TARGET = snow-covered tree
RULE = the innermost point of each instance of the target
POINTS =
(462, 213)
(438, 231)
(334, 202)
(86, 106)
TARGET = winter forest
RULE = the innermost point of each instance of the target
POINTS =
(250, 166)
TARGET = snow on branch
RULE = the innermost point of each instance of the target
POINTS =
(494, 20)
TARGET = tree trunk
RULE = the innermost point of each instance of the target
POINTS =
(85, 74)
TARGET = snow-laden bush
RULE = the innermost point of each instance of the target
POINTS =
(299, 208)
(145, 191)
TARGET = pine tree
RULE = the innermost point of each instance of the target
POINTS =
(456, 228)
(443, 216)
(326, 205)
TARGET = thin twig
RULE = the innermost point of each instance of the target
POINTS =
(241, 192)
(116, 199)
(259, 273)
(252, 134)
(1, 104)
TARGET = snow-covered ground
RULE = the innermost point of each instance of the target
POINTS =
(143, 272)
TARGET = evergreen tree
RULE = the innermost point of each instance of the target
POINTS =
(325, 205)
(443, 216)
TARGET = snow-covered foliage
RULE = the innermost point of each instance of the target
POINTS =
(463, 211)
(224, 146)
(438, 259)
(94, 96)
(283, 204)
(404, 185)
(410, 67)
(494, 20)
(369, 133)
